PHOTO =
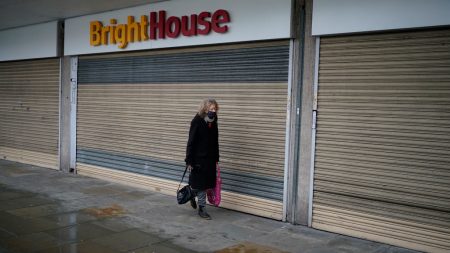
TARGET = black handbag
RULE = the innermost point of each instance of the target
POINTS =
(184, 194)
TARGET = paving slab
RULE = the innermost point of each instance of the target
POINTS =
(79, 233)
(69, 218)
(44, 210)
(30, 242)
(128, 240)
(84, 247)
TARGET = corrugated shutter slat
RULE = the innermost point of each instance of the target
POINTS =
(134, 114)
(29, 109)
(383, 147)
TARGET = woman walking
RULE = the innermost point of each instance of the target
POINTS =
(202, 153)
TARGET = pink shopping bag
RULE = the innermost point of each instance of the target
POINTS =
(214, 193)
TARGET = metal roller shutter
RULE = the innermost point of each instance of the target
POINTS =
(29, 109)
(383, 138)
(134, 113)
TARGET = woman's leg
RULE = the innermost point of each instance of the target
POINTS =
(201, 196)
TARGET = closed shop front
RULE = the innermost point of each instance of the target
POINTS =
(134, 112)
(141, 74)
(383, 138)
(29, 111)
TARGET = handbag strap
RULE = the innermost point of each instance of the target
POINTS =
(182, 178)
(218, 170)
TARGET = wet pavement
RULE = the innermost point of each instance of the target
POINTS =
(43, 210)
(31, 222)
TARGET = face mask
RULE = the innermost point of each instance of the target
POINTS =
(211, 115)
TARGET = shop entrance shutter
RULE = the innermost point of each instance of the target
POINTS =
(29, 109)
(383, 138)
(134, 113)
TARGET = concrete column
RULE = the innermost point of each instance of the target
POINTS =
(65, 115)
(304, 190)
(303, 58)
(295, 99)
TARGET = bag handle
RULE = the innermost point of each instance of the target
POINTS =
(182, 178)
(218, 170)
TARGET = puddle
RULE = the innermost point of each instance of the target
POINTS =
(248, 247)
(112, 211)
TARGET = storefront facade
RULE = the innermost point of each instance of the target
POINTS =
(381, 167)
(136, 99)
(327, 122)
(29, 96)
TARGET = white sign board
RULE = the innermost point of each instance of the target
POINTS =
(351, 16)
(234, 20)
(29, 42)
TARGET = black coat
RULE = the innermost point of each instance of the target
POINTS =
(202, 153)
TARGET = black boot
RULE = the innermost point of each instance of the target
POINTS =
(193, 203)
(202, 212)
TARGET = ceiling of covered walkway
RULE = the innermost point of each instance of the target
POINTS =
(17, 13)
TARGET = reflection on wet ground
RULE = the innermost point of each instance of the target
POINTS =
(43, 210)
(33, 223)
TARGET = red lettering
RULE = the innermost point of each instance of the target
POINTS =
(175, 23)
(184, 25)
(219, 17)
(157, 25)
(202, 21)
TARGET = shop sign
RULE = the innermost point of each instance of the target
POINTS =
(156, 26)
